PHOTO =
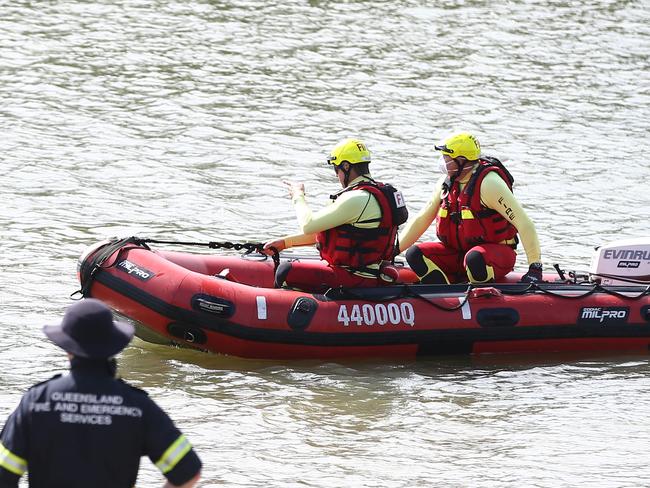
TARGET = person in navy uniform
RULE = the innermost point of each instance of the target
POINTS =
(89, 428)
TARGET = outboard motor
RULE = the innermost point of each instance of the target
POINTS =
(622, 262)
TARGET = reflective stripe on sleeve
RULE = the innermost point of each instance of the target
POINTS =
(173, 454)
(11, 462)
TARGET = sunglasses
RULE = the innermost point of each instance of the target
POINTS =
(444, 149)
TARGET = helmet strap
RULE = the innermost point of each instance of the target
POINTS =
(462, 163)
(346, 179)
(459, 170)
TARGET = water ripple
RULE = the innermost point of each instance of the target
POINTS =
(180, 120)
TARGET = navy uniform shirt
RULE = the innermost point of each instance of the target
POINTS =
(90, 429)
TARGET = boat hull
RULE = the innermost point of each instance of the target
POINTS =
(179, 298)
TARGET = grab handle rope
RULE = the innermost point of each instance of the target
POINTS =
(89, 269)
(249, 247)
(413, 291)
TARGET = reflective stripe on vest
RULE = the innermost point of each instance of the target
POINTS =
(11, 462)
(463, 221)
(466, 214)
(173, 454)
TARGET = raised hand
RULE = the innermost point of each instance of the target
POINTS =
(295, 189)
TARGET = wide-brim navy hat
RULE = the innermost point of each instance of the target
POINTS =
(89, 331)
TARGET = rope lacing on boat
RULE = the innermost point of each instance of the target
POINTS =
(89, 269)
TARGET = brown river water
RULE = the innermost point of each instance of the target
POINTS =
(179, 120)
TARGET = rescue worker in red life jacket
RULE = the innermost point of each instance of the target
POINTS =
(355, 234)
(478, 221)
(89, 428)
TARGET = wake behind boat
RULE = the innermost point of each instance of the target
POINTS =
(227, 305)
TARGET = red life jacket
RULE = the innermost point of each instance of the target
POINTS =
(463, 221)
(356, 247)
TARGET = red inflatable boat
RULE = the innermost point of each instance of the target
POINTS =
(226, 305)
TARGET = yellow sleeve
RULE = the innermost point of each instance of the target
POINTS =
(346, 209)
(417, 226)
(496, 195)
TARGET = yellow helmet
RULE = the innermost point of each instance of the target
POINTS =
(461, 144)
(351, 150)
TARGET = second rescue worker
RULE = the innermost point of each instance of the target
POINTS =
(355, 234)
(477, 221)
